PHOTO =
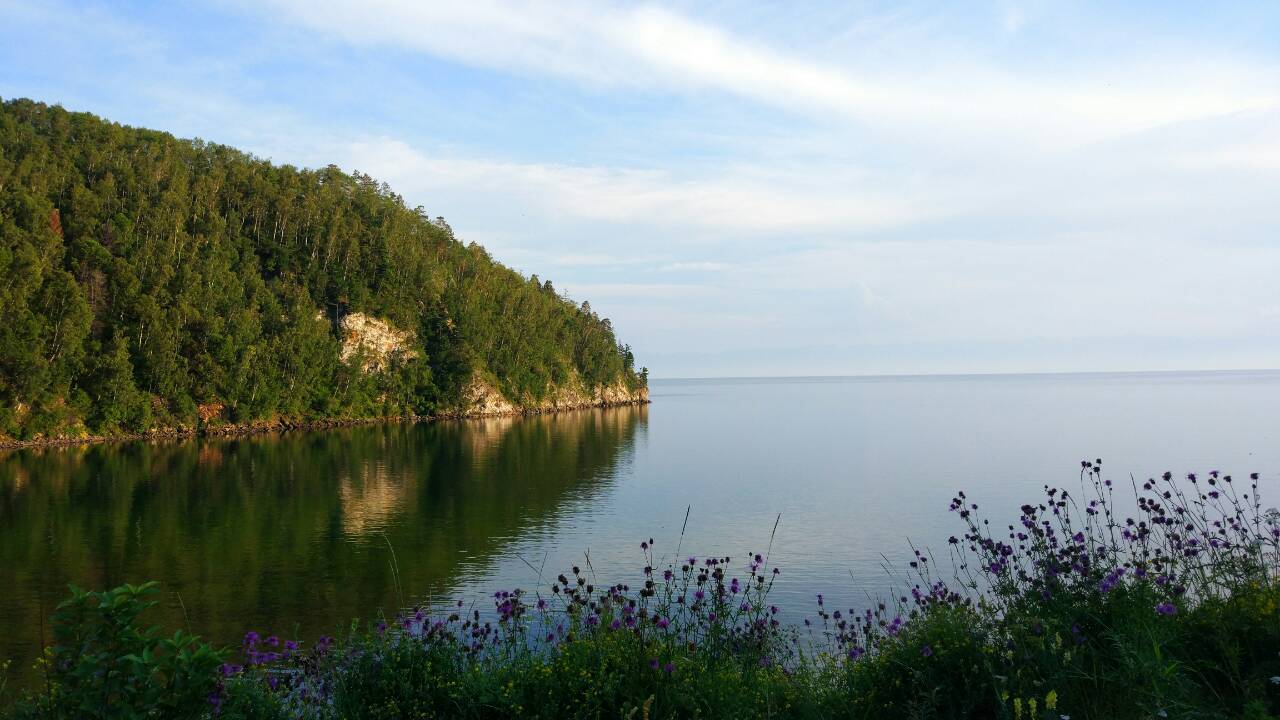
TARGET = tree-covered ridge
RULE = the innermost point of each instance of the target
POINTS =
(143, 276)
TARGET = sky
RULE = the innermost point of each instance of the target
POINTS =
(753, 188)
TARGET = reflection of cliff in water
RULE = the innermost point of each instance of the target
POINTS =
(290, 533)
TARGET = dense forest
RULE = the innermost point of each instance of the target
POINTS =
(145, 279)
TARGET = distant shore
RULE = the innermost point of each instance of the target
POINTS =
(285, 425)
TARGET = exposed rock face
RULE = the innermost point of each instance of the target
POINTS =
(482, 399)
(210, 411)
(377, 340)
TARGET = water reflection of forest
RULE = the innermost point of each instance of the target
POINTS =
(291, 533)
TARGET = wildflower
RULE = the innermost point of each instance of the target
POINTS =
(653, 663)
(926, 651)
(670, 668)
(1167, 608)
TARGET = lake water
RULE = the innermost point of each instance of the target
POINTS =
(299, 533)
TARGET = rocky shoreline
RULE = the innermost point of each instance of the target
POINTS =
(273, 426)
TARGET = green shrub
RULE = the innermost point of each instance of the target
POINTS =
(104, 665)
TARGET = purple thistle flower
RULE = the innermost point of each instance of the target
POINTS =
(1167, 609)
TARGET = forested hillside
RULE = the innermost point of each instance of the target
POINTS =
(150, 282)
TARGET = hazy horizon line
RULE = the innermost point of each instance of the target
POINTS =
(872, 376)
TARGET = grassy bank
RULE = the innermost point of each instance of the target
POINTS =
(1077, 610)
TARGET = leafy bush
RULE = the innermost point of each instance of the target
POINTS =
(103, 665)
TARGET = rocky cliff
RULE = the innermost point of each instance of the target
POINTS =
(375, 342)
(482, 399)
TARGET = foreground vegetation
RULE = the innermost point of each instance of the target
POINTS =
(1077, 610)
(151, 282)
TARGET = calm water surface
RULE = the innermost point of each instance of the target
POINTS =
(295, 534)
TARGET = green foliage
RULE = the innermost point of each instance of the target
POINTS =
(104, 665)
(144, 276)
(600, 676)
(954, 680)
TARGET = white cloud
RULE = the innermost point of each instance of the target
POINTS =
(649, 47)
(771, 203)
(701, 266)
(582, 260)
